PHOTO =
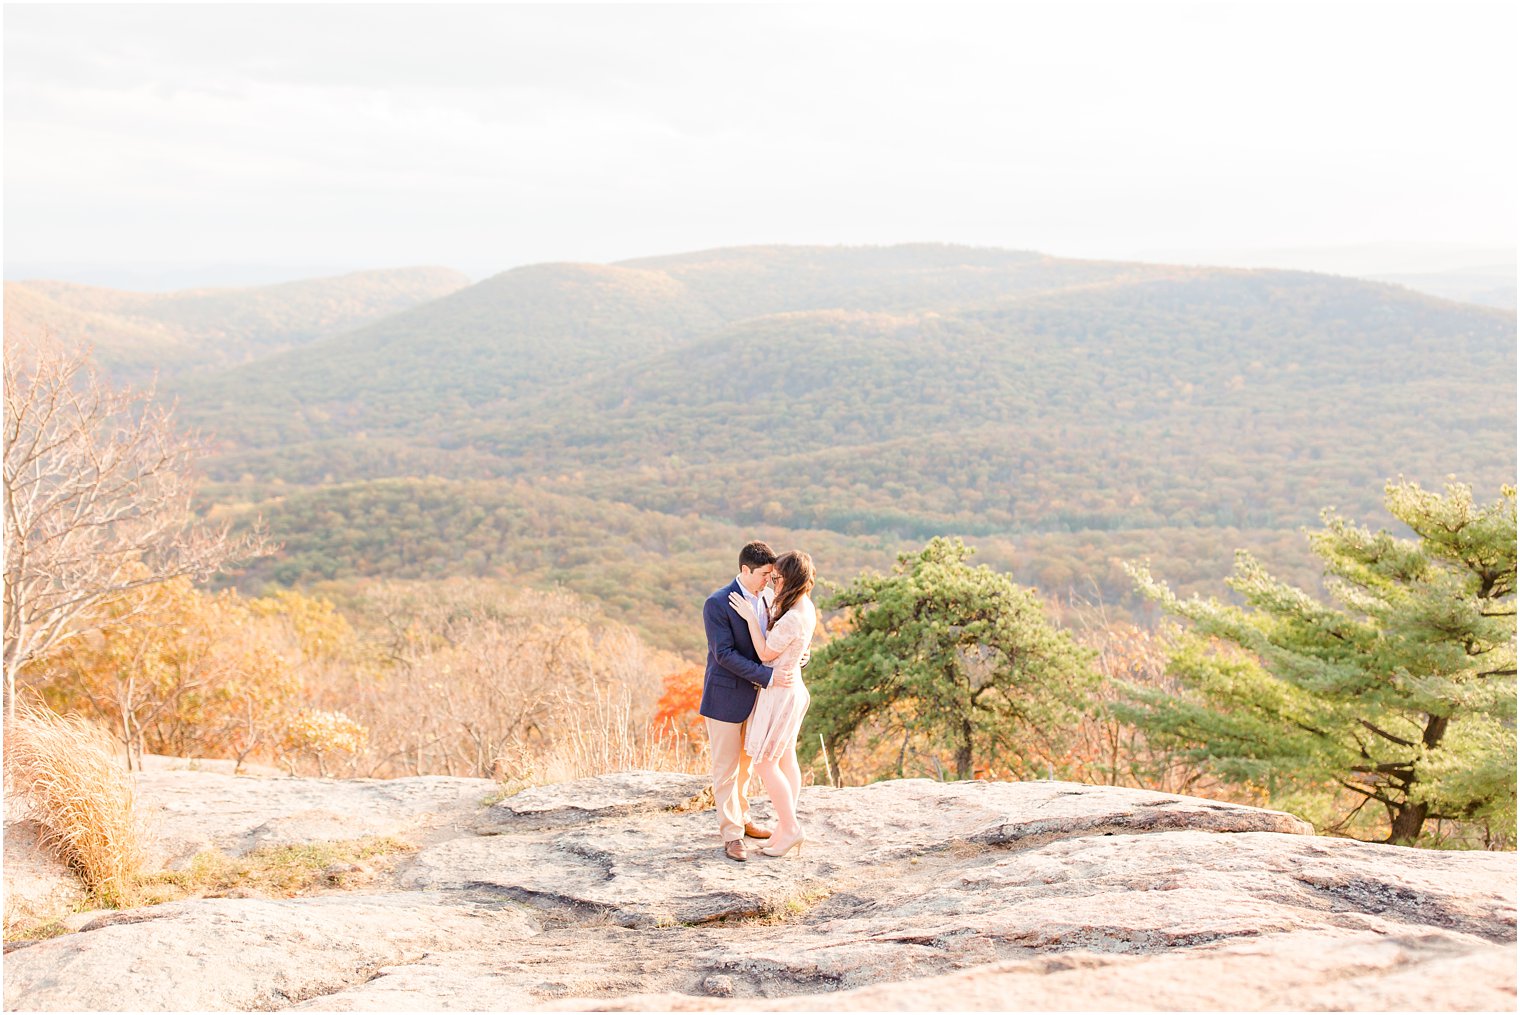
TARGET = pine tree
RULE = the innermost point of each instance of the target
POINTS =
(955, 656)
(1401, 690)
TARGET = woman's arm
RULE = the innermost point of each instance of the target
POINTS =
(763, 648)
(744, 609)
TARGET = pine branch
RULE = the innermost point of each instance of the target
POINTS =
(1385, 735)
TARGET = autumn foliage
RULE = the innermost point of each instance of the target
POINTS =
(170, 669)
(680, 697)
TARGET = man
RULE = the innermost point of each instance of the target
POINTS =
(733, 679)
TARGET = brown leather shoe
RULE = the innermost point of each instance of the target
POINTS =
(734, 850)
(754, 831)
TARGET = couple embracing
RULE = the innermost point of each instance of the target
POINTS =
(753, 698)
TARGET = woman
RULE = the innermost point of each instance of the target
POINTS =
(771, 737)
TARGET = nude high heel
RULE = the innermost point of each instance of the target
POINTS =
(782, 850)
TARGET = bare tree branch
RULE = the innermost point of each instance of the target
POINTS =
(98, 488)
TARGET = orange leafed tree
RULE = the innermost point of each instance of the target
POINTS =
(677, 708)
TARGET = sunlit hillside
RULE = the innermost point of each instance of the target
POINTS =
(135, 334)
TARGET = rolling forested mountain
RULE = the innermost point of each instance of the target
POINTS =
(623, 427)
(136, 333)
(508, 337)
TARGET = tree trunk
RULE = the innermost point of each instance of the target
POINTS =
(129, 734)
(12, 644)
(1408, 819)
(1435, 729)
(963, 751)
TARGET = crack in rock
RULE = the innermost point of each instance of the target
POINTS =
(1025, 834)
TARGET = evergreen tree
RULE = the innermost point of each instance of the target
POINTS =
(1401, 691)
(957, 656)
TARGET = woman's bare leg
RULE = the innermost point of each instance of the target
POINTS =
(782, 798)
(793, 773)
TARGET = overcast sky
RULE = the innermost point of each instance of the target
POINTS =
(288, 139)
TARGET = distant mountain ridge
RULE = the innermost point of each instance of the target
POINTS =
(511, 334)
(136, 333)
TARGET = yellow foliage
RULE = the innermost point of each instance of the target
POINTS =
(317, 625)
(317, 732)
(173, 670)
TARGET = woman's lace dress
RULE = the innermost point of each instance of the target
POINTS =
(773, 725)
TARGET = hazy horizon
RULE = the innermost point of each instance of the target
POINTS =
(292, 140)
(1364, 260)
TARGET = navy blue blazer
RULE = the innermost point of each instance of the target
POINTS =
(734, 672)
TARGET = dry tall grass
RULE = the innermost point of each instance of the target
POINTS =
(80, 794)
(599, 737)
(471, 678)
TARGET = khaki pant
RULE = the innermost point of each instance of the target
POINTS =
(730, 776)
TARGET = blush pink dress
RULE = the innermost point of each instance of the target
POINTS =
(773, 725)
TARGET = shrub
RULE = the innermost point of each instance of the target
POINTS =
(317, 733)
(174, 670)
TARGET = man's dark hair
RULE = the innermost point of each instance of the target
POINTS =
(756, 555)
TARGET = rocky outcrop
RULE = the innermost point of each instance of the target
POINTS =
(645, 873)
(214, 954)
(613, 893)
(190, 811)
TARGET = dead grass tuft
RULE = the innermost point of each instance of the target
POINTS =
(34, 930)
(80, 795)
(27, 921)
(702, 801)
(281, 872)
(787, 908)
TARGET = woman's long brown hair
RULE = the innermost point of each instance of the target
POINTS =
(796, 570)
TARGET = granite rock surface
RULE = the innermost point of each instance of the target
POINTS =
(612, 893)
